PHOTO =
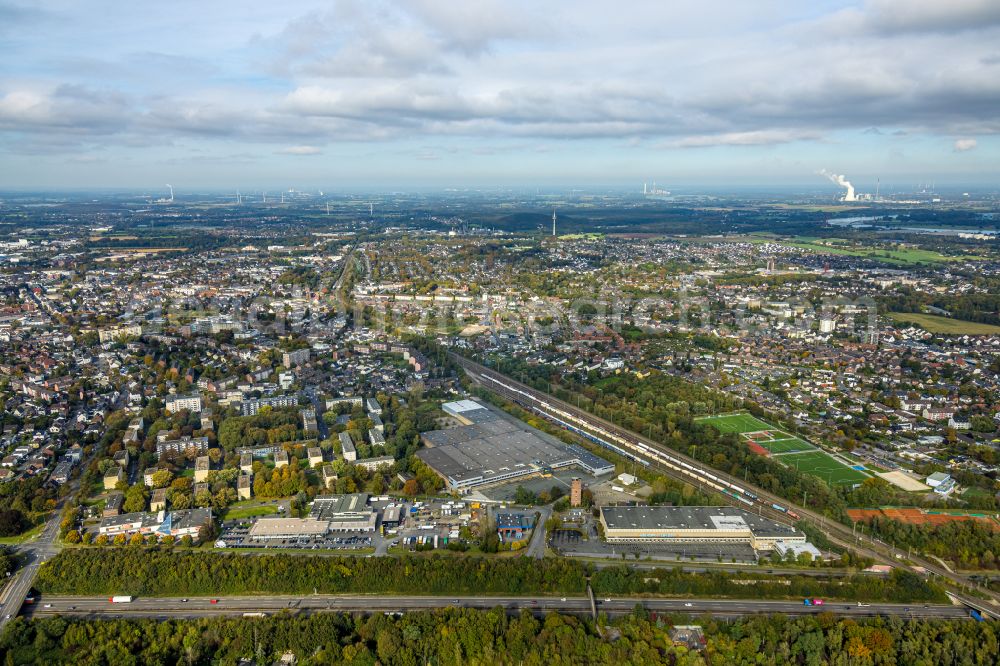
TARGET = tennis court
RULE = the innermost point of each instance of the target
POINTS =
(823, 466)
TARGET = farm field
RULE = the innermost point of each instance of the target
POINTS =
(909, 256)
(944, 325)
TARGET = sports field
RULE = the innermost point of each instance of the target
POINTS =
(738, 423)
(752, 429)
(824, 466)
(786, 444)
(785, 447)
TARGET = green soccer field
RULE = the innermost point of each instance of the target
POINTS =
(823, 466)
(787, 445)
(738, 423)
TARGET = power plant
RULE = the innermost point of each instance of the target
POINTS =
(843, 182)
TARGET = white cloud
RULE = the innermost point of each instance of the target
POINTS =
(501, 72)
(758, 138)
(300, 150)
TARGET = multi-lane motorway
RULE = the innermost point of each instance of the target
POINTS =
(96, 607)
(32, 553)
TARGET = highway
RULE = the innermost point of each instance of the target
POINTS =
(33, 553)
(101, 607)
(542, 403)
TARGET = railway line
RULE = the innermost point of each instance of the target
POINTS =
(649, 453)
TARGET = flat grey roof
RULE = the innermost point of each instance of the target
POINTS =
(692, 518)
(494, 446)
(338, 507)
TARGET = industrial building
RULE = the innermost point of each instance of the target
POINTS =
(345, 513)
(279, 527)
(695, 524)
(491, 447)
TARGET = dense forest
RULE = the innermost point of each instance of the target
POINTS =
(467, 637)
(156, 572)
(901, 586)
(153, 572)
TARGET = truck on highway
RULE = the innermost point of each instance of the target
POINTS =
(813, 602)
(121, 599)
(976, 615)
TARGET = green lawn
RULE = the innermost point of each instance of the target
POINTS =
(236, 512)
(824, 466)
(787, 445)
(944, 325)
(21, 538)
(738, 423)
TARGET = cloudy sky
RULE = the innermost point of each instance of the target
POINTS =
(389, 95)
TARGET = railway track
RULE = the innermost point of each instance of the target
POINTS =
(684, 468)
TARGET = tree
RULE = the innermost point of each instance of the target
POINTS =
(135, 499)
(411, 488)
(72, 537)
(162, 478)
(12, 522)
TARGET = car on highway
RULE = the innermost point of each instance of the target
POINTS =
(563, 599)
(183, 600)
(47, 606)
(688, 605)
(213, 601)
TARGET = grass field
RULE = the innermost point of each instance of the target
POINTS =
(944, 325)
(790, 450)
(236, 512)
(824, 466)
(906, 257)
(786, 445)
(738, 423)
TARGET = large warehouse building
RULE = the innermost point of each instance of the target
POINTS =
(491, 447)
(695, 524)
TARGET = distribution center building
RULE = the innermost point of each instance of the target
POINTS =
(492, 447)
(694, 524)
